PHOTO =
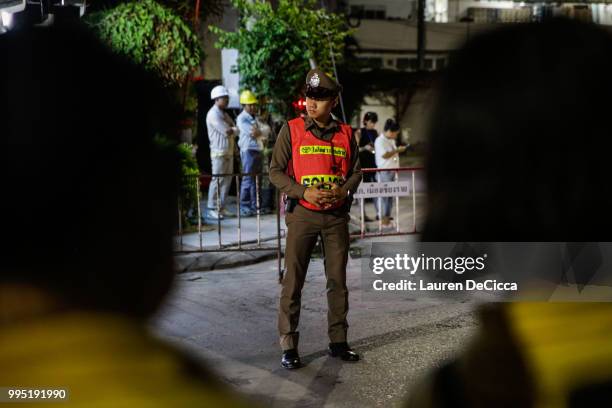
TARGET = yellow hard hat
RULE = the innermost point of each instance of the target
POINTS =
(247, 97)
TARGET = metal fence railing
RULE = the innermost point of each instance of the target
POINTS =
(192, 197)
(229, 234)
(393, 189)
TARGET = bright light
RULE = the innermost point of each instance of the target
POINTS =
(300, 104)
(7, 18)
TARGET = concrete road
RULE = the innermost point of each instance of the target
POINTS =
(228, 317)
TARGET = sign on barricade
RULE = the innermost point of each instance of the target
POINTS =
(387, 193)
(386, 189)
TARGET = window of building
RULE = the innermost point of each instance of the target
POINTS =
(371, 12)
(371, 62)
(406, 64)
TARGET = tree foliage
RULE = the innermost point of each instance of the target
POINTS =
(275, 45)
(152, 36)
(184, 8)
(188, 193)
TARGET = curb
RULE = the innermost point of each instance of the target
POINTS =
(220, 260)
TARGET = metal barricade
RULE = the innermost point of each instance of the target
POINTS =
(194, 183)
(257, 243)
(381, 232)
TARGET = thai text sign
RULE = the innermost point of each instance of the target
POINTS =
(387, 189)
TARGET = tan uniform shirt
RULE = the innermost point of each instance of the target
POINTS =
(282, 154)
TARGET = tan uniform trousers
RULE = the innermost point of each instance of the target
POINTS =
(304, 226)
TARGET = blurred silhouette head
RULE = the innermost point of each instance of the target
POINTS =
(89, 201)
(520, 138)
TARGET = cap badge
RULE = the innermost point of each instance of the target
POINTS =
(315, 80)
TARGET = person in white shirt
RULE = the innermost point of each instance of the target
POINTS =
(222, 132)
(387, 157)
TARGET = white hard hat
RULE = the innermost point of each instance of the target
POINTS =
(218, 91)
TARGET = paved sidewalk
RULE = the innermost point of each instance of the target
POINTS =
(248, 234)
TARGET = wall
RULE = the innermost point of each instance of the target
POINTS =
(393, 8)
(212, 63)
(458, 8)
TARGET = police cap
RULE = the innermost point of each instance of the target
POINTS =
(320, 85)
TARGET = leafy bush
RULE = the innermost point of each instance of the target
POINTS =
(189, 184)
(152, 36)
(190, 173)
(184, 8)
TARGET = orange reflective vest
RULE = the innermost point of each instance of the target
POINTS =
(314, 160)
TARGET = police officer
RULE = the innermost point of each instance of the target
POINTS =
(315, 163)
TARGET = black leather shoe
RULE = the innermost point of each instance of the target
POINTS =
(343, 351)
(291, 359)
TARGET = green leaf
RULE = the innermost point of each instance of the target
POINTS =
(151, 35)
(274, 52)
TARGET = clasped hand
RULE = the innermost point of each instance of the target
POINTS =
(322, 197)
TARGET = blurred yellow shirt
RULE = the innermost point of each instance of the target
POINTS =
(103, 360)
(566, 346)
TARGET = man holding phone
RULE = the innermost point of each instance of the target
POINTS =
(315, 163)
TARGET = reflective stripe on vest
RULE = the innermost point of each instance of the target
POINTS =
(315, 160)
